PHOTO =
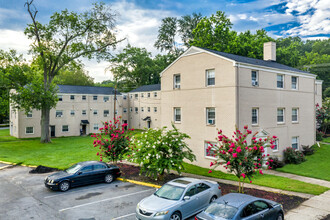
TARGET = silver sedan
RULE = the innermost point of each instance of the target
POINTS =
(178, 199)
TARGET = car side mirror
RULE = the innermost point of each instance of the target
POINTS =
(79, 172)
(186, 198)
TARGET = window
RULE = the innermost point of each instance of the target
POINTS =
(155, 94)
(148, 94)
(294, 143)
(125, 110)
(99, 167)
(60, 98)
(210, 116)
(255, 116)
(142, 95)
(130, 109)
(148, 109)
(136, 109)
(87, 169)
(295, 115)
(210, 77)
(96, 126)
(254, 78)
(260, 206)
(294, 82)
(275, 145)
(177, 114)
(248, 210)
(83, 97)
(105, 98)
(59, 113)
(131, 96)
(95, 97)
(124, 97)
(29, 130)
(95, 112)
(191, 191)
(71, 97)
(72, 112)
(106, 113)
(83, 112)
(209, 150)
(280, 81)
(136, 95)
(280, 115)
(142, 109)
(29, 115)
(116, 112)
(177, 81)
(155, 109)
(201, 187)
(65, 128)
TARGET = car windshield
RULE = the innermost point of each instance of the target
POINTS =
(73, 169)
(221, 210)
(170, 192)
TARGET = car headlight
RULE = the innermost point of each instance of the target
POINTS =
(162, 213)
(138, 205)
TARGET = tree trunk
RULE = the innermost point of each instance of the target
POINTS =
(44, 123)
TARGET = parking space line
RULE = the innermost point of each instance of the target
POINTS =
(124, 216)
(118, 197)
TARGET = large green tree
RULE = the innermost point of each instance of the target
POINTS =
(67, 37)
(74, 74)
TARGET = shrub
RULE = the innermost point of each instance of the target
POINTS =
(160, 150)
(307, 150)
(293, 156)
(274, 163)
(319, 134)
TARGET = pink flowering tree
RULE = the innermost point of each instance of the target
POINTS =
(323, 116)
(239, 157)
(113, 141)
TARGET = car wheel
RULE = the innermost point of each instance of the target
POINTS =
(175, 216)
(108, 178)
(213, 199)
(64, 186)
(280, 216)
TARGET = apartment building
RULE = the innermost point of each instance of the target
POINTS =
(80, 110)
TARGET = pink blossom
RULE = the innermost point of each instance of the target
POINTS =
(245, 127)
(228, 163)
(255, 148)
(243, 175)
(238, 150)
(230, 150)
(210, 171)
(232, 145)
(234, 155)
(260, 171)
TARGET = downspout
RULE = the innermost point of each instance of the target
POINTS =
(237, 93)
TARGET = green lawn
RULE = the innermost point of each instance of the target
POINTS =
(316, 166)
(327, 140)
(65, 151)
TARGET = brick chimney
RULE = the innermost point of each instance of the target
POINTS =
(270, 51)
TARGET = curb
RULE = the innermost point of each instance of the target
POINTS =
(9, 163)
(139, 183)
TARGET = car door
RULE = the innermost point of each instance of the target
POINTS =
(84, 176)
(189, 207)
(257, 210)
(203, 194)
(263, 210)
(99, 172)
(248, 212)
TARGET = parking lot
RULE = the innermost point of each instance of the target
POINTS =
(24, 196)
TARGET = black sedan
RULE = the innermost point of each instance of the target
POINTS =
(82, 173)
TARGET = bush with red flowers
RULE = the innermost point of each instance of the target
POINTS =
(294, 156)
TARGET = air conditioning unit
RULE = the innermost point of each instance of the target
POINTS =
(255, 83)
(106, 115)
(211, 121)
(177, 86)
(59, 116)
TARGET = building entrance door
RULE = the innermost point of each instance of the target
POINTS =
(83, 130)
(52, 131)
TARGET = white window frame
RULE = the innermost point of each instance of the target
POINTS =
(83, 97)
(148, 94)
(95, 97)
(63, 127)
(29, 115)
(207, 77)
(60, 98)
(72, 97)
(177, 110)
(155, 109)
(292, 143)
(257, 111)
(142, 109)
(206, 145)
(130, 109)
(155, 94)
(256, 81)
(296, 84)
(106, 98)
(278, 81)
(276, 143)
(210, 121)
(177, 83)
(136, 109)
(124, 110)
(72, 112)
(106, 115)
(124, 97)
(83, 112)
(96, 127)
(148, 109)
(26, 128)
(142, 95)
(136, 95)
(297, 110)
(280, 122)
(95, 112)
(58, 111)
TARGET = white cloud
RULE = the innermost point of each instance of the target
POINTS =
(11, 39)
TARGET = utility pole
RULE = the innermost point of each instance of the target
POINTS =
(114, 104)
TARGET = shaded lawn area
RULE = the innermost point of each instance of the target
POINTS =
(261, 180)
(4, 136)
(327, 140)
(316, 165)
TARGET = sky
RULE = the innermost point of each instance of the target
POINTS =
(138, 20)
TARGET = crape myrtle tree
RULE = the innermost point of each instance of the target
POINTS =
(159, 150)
(67, 37)
(113, 141)
(241, 158)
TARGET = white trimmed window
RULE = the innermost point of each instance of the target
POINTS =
(95, 112)
(210, 77)
(211, 152)
(142, 109)
(29, 115)
(295, 143)
(125, 110)
(65, 128)
(94, 97)
(148, 109)
(177, 81)
(130, 109)
(142, 95)
(106, 113)
(155, 109)
(280, 81)
(295, 115)
(276, 144)
(131, 96)
(155, 94)
(96, 126)
(72, 112)
(294, 82)
(254, 78)
(71, 97)
(106, 98)
(124, 97)
(60, 98)
(148, 94)
(83, 112)
(280, 115)
(83, 97)
(255, 116)
(136, 109)
(59, 113)
(29, 130)
(210, 116)
(136, 95)
(177, 114)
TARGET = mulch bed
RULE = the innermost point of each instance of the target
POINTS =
(289, 202)
(43, 169)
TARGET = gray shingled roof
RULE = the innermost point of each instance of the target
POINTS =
(253, 61)
(146, 88)
(86, 90)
